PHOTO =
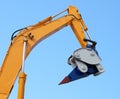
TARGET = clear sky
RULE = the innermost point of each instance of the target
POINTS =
(47, 64)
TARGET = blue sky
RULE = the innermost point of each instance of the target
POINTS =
(47, 64)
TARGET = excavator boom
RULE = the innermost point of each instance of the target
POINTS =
(32, 35)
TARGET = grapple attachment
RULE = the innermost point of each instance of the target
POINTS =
(85, 61)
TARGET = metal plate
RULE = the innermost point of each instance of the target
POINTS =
(87, 55)
(81, 66)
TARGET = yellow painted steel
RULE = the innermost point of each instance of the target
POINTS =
(21, 87)
(34, 34)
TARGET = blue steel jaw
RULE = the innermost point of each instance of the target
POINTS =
(77, 74)
(74, 75)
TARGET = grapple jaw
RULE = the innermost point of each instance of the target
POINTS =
(85, 62)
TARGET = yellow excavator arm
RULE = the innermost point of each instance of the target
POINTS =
(28, 38)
